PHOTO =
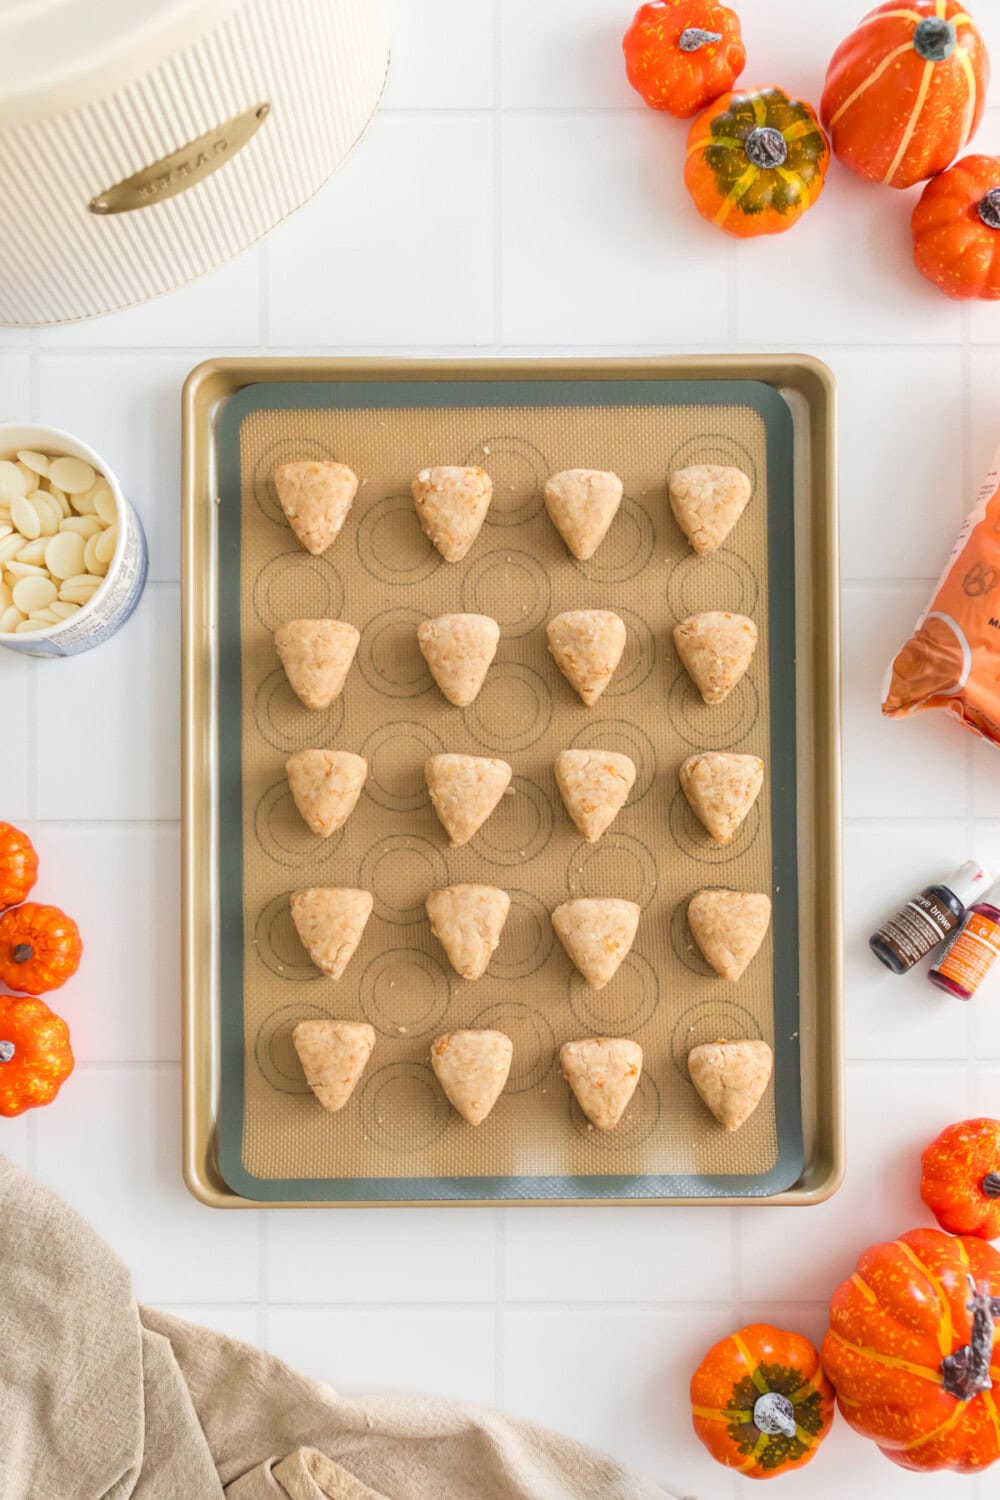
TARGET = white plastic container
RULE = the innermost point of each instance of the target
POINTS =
(116, 598)
(144, 142)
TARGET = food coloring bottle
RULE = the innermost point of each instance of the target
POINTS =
(930, 918)
(972, 952)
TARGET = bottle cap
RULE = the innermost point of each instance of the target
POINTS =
(970, 883)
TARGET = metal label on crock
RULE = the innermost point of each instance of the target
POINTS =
(182, 168)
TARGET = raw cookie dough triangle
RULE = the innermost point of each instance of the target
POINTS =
(459, 650)
(597, 933)
(316, 498)
(451, 503)
(467, 921)
(464, 790)
(729, 927)
(594, 786)
(581, 504)
(316, 656)
(721, 789)
(731, 1078)
(329, 921)
(716, 648)
(587, 645)
(472, 1068)
(325, 786)
(708, 500)
(603, 1073)
(333, 1055)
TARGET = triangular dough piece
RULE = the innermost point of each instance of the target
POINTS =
(472, 1068)
(587, 645)
(316, 498)
(708, 500)
(452, 503)
(330, 922)
(603, 1073)
(729, 927)
(459, 650)
(581, 504)
(464, 790)
(597, 933)
(467, 921)
(594, 785)
(326, 784)
(717, 648)
(721, 789)
(333, 1054)
(316, 656)
(731, 1078)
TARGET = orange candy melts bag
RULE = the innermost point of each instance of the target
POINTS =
(953, 659)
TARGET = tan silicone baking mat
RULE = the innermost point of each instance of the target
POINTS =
(398, 1136)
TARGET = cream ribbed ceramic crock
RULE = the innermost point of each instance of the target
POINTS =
(143, 142)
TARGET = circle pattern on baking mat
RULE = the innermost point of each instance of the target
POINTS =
(710, 1021)
(284, 835)
(278, 945)
(392, 547)
(627, 739)
(636, 1125)
(512, 711)
(283, 721)
(404, 993)
(297, 586)
(511, 587)
(389, 657)
(723, 576)
(274, 1051)
(399, 871)
(288, 450)
(403, 1109)
(683, 943)
(520, 827)
(720, 724)
(395, 754)
(627, 1003)
(526, 940)
(691, 837)
(518, 470)
(638, 658)
(618, 862)
(715, 448)
(533, 1038)
(627, 548)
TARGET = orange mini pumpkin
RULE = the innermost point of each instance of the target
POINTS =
(35, 1054)
(760, 1401)
(961, 1178)
(956, 229)
(18, 865)
(756, 162)
(910, 1346)
(906, 90)
(682, 54)
(40, 948)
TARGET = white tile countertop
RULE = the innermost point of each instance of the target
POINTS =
(514, 196)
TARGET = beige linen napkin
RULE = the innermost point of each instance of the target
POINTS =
(101, 1399)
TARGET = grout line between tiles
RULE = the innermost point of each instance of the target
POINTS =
(499, 1320)
(435, 1308)
(263, 1269)
(498, 145)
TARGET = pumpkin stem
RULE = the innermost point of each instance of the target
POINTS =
(991, 1184)
(989, 208)
(7, 1050)
(935, 39)
(766, 147)
(22, 953)
(967, 1371)
(693, 38)
(774, 1415)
